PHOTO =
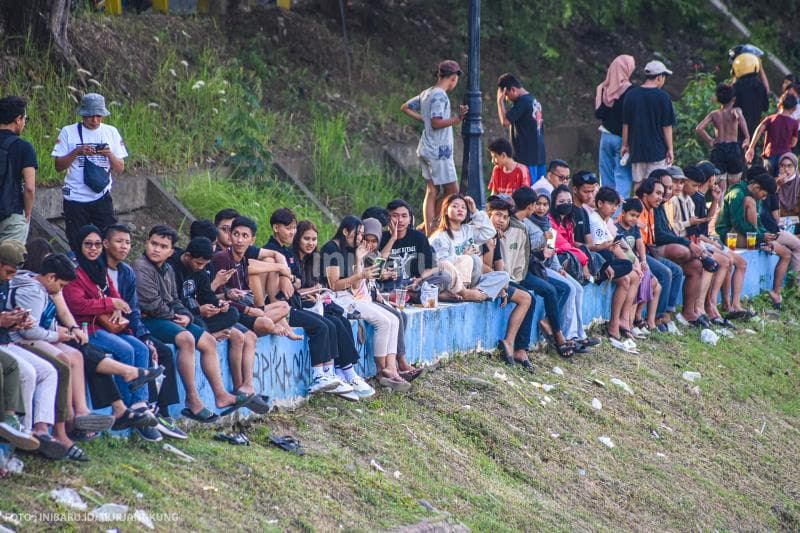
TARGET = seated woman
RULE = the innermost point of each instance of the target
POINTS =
(345, 272)
(741, 214)
(343, 348)
(663, 243)
(54, 331)
(562, 223)
(93, 299)
(785, 203)
(456, 244)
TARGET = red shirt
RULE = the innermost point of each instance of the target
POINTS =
(503, 182)
(779, 131)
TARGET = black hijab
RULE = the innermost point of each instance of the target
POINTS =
(96, 270)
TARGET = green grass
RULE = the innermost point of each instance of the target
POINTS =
(204, 194)
(492, 457)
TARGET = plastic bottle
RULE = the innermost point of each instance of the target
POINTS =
(85, 328)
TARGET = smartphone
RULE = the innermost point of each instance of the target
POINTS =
(100, 146)
(380, 262)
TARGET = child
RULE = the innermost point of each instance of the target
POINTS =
(649, 288)
(507, 175)
(435, 148)
(616, 267)
(780, 134)
(728, 121)
(684, 219)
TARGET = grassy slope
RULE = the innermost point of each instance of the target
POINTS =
(493, 456)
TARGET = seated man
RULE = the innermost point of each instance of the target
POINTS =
(216, 316)
(170, 322)
(261, 319)
(268, 274)
(740, 215)
(117, 245)
(11, 405)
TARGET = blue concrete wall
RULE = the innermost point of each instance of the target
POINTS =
(282, 366)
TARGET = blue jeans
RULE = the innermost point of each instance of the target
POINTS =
(670, 276)
(523, 339)
(612, 174)
(129, 350)
(554, 293)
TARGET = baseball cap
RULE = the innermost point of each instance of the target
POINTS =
(676, 172)
(695, 174)
(12, 253)
(448, 67)
(708, 169)
(654, 68)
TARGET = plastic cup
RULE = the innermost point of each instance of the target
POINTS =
(731, 240)
(751, 240)
(400, 298)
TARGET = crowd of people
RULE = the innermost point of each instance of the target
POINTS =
(97, 320)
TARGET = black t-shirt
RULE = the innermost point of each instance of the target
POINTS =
(527, 131)
(647, 112)
(582, 227)
(752, 99)
(288, 253)
(411, 255)
(333, 256)
(194, 288)
(21, 155)
(612, 116)
(700, 211)
(4, 337)
(252, 252)
(769, 205)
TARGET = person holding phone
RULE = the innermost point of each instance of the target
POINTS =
(89, 142)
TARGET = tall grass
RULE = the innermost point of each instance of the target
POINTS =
(206, 193)
(346, 177)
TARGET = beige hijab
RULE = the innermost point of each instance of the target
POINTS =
(618, 79)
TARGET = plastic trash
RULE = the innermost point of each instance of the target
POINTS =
(606, 441)
(143, 518)
(558, 371)
(429, 295)
(68, 497)
(172, 449)
(109, 512)
(690, 376)
(596, 404)
(622, 385)
(709, 337)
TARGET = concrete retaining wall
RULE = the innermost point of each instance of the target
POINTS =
(282, 367)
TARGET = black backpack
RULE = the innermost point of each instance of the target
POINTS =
(7, 188)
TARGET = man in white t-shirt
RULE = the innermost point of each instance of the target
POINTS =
(557, 174)
(87, 195)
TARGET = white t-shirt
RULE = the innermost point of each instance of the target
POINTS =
(113, 273)
(599, 229)
(544, 184)
(68, 139)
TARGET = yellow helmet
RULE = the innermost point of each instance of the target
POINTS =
(745, 64)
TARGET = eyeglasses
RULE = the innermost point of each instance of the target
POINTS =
(587, 179)
(561, 177)
(95, 244)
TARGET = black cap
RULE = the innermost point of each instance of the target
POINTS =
(694, 174)
(708, 168)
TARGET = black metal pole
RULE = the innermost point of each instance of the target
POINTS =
(472, 129)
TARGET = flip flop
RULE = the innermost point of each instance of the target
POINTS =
(75, 453)
(51, 448)
(411, 375)
(240, 439)
(80, 435)
(205, 416)
(241, 401)
(93, 423)
(289, 444)
(146, 375)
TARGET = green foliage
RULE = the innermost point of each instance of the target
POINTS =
(206, 193)
(345, 177)
(696, 102)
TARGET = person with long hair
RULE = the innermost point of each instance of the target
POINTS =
(346, 274)
(93, 295)
(563, 225)
(608, 102)
(456, 242)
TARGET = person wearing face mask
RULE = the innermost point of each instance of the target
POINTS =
(563, 223)
(347, 274)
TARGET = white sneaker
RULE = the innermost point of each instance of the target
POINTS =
(619, 345)
(322, 384)
(679, 318)
(640, 333)
(344, 388)
(351, 396)
(361, 387)
(672, 328)
(630, 345)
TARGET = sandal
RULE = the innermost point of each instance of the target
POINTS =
(204, 416)
(241, 401)
(51, 448)
(565, 350)
(134, 419)
(259, 404)
(396, 384)
(75, 453)
(239, 439)
(146, 375)
(526, 364)
(93, 423)
(81, 435)
(505, 354)
(411, 375)
(290, 444)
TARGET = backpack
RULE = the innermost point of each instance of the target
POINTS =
(7, 189)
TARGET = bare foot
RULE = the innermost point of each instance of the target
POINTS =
(473, 295)
(223, 400)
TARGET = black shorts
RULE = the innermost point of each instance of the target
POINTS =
(247, 321)
(621, 267)
(727, 157)
(222, 321)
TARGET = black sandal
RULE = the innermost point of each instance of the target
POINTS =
(241, 401)
(146, 375)
(505, 355)
(565, 350)
(204, 416)
(289, 444)
(134, 419)
(75, 453)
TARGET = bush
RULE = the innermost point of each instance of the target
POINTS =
(696, 102)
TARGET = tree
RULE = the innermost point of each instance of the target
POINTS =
(46, 20)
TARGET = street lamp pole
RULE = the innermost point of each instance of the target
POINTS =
(472, 129)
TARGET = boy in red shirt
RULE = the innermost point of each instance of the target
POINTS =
(780, 134)
(507, 175)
